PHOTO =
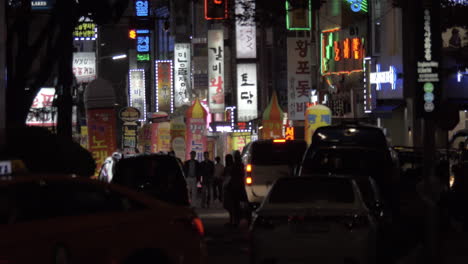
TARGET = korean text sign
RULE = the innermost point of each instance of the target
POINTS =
(246, 44)
(137, 90)
(164, 86)
(299, 76)
(246, 91)
(182, 82)
(216, 71)
(84, 66)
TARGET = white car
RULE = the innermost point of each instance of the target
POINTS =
(322, 219)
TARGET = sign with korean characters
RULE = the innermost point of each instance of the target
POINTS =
(246, 91)
(216, 71)
(142, 8)
(299, 76)
(143, 44)
(42, 112)
(84, 66)
(240, 140)
(164, 86)
(182, 70)
(316, 116)
(101, 134)
(85, 30)
(137, 91)
(246, 36)
(196, 130)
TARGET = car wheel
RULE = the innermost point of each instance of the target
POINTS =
(61, 255)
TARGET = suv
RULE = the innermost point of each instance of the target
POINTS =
(267, 160)
(158, 175)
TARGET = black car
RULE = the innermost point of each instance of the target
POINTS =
(158, 175)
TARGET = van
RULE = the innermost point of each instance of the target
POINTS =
(265, 161)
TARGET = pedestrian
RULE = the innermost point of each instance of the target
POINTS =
(227, 196)
(236, 191)
(192, 176)
(218, 180)
(207, 168)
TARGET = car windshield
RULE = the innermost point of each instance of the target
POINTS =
(344, 161)
(281, 153)
(312, 189)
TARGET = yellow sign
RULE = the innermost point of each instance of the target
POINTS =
(316, 116)
(289, 133)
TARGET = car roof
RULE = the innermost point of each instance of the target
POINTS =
(350, 135)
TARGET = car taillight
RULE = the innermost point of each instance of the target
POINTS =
(279, 140)
(248, 168)
(248, 180)
(198, 225)
(357, 221)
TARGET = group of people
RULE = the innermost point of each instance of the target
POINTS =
(225, 183)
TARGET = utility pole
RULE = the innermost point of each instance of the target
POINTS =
(3, 72)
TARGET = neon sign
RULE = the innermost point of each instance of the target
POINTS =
(142, 8)
(299, 18)
(216, 9)
(380, 77)
(341, 56)
(143, 44)
(358, 5)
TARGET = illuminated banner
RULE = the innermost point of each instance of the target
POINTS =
(101, 134)
(42, 4)
(137, 90)
(84, 66)
(216, 71)
(299, 76)
(246, 36)
(240, 140)
(216, 9)
(380, 77)
(182, 61)
(246, 91)
(42, 113)
(341, 55)
(143, 44)
(142, 8)
(196, 130)
(164, 86)
(299, 15)
(85, 30)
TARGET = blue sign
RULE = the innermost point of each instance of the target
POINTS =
(42, 4)
(380, 77)
(142, 8)
(143, 43)
(358, 5)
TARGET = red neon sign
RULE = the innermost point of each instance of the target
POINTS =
(216, 9)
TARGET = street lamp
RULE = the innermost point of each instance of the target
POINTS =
(119, 57)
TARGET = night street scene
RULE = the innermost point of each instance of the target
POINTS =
(233, 131)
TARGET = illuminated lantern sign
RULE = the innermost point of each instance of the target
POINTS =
(42, 111)
(246, 91)
(341, 56)
(182, 61)
(84, 66)
(85, 30)
(216, 9)
(358, 5)
(316, 116)
(216, 71)
(142, 8)
(137, 90)
(289, 133)
(164, 86)
(299, 76)
(246, 43)
(143, 44)
(299, 17)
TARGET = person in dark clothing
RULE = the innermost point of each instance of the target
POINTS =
(207, 167)
(218, 180)
(192, 176)
(235, 190)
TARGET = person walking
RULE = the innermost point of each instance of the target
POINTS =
(235, 188)
(192, 175)
(207, 168)
(218, 180)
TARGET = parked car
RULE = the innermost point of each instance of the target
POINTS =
(158, 175)
(68, 219)
(323, 219)
(267, 160)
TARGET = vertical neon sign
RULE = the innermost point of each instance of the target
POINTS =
(299, 18)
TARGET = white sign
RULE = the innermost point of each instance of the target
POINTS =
(246, 92)
(42, 112)
(182, 70)
(216, 71)
(137, 96)
(84, 66)
(5, 167)
(380, 77)
(246, 44)
(299, 76)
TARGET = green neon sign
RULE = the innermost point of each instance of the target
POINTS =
(291, 20)
(143, 57)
